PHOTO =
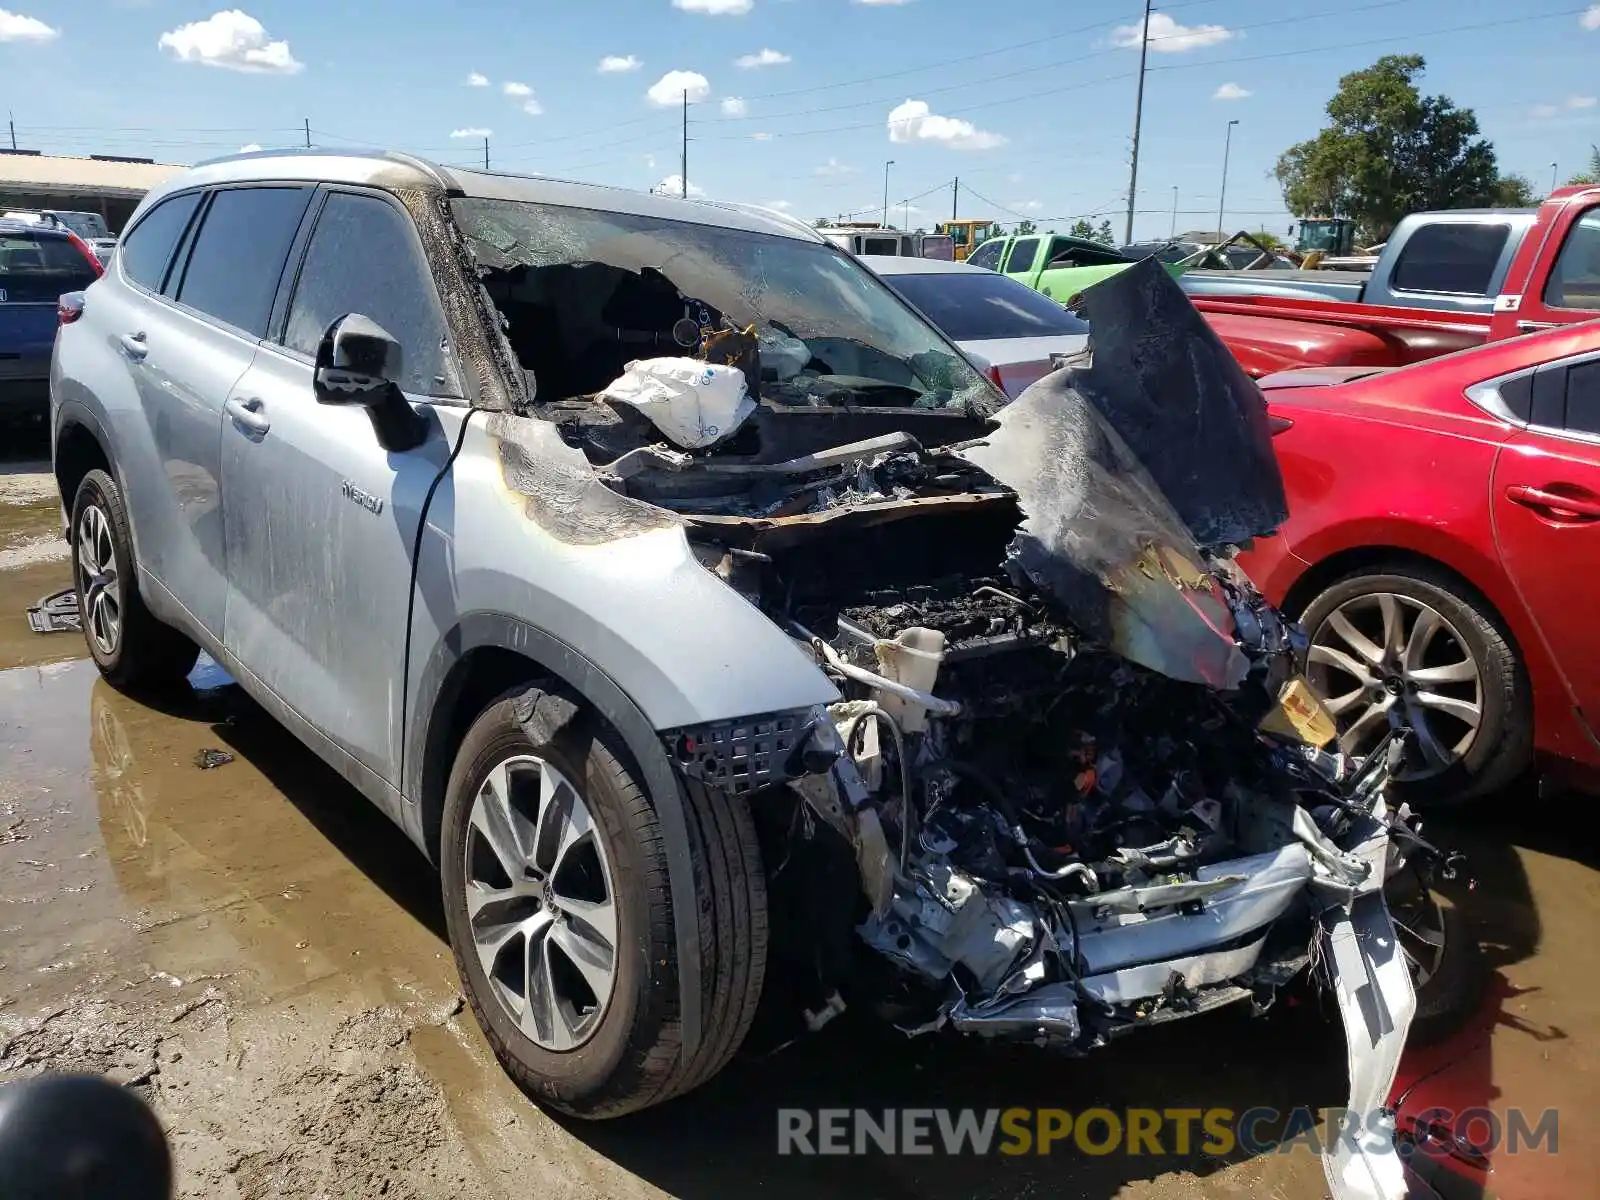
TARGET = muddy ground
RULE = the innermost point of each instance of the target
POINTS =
(261, 955)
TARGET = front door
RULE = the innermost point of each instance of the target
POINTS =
(1546, 497)
(321, 520)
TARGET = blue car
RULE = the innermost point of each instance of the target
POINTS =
(38, 264)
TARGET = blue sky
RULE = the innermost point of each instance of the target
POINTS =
(799, 103)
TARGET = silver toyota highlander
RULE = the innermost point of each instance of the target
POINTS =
(699, 609)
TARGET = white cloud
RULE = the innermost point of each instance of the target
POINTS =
(1582, 101)
(650, 161)
(14, 27)
(473, 132)
(533, 108)
(477, 79)
(249, 147)
(913, 121)
(1014, 177)
(1168, 37)
(619, 64)
(1027, 205)
(233, 40)
(517, 89)
(669, 89)
(761, 137)
(1591, 17)
(1231, 91)
(715, 8)
(834, 167)
(672, 185)
(1544, 111)
(765, 57)
(875, 2)
(733, 106)
(780, 205)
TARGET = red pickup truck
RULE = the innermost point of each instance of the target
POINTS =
(1554, 279)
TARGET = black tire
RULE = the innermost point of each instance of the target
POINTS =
(634, 1056)
(1503, 746)
(146, 654)
(1452, 990)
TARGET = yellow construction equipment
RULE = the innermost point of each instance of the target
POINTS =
(968, 235)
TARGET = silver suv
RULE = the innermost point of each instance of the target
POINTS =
(674, 586)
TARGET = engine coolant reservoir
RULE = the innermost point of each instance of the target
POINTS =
(913, 658)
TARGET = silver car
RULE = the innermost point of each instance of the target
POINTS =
(1012, 330)
(672, 584)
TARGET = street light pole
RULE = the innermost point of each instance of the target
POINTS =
(886, 167)
(1222, 199)
(1553, 177)
(1173, 232)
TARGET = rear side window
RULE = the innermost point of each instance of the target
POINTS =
(1583, 397)
(987, 255)
(970, 307)
(233, 271)
(147, 249)
(1575, 279)
(1453, 258)
(363, 259)
(36, 268)
(1023, 254)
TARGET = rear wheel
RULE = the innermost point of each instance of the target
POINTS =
(1413, 647)
(133, 649)
(557, 901)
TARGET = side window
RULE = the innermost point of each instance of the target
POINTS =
(363, 259)
(1023, 253)
(146, 250)
(238, 256)
(1583, 396)
(987, 255)
(1450, 257)
(1575, 279)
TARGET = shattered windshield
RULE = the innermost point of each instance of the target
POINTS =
(584, 293)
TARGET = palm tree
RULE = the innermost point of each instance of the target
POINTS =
(1591, 173)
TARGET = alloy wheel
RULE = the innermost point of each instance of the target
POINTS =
(541, 902)
(1384, 659)
(98, 583)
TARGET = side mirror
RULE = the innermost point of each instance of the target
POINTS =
(359, 362)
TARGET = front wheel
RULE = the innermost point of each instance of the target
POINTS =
(560, 915)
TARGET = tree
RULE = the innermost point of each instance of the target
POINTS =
(1025, 227)
(1590, 175)
(1104, 236)
(1082, 229)
(1388, 150)
(1515, 191)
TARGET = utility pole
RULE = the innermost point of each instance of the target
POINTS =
(308, 133)
(955, 194)
(1173, 232)
(1223, 197)
(907, 203)
(485, 154)
(886, 167)
(11, 120)
(1552, 177)
(683, 161)
(1138, 118)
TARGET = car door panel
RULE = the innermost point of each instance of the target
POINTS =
(1546, 497)
(321, 520)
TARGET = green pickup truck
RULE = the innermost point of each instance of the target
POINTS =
(1052, 263)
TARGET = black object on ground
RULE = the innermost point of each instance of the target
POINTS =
(206, 759)
(80, 1136)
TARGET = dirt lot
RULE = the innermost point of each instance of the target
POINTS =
(258, 952)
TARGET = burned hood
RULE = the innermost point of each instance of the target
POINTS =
(1165, 383)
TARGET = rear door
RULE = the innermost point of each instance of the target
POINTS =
(188, 340)
(36, 269)
(321, 519)
(1546, 496)
(1023, 261)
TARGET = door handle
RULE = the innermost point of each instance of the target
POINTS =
(247, 414)
(133, 345)
(1534, 326)
(1579, 505)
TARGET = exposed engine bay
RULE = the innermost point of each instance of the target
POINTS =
(1082, 784)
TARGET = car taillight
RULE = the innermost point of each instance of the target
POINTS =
(1278, 424)
(69, 308)
(89, 256)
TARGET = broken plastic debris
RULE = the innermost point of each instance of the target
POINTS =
(209, 758)
(695, 404)
(56, 613)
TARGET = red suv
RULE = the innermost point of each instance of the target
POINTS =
(1443, 553)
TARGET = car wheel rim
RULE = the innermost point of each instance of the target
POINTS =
(541, 903)
(1419, 929)
(1384, 660)
(99, 587)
